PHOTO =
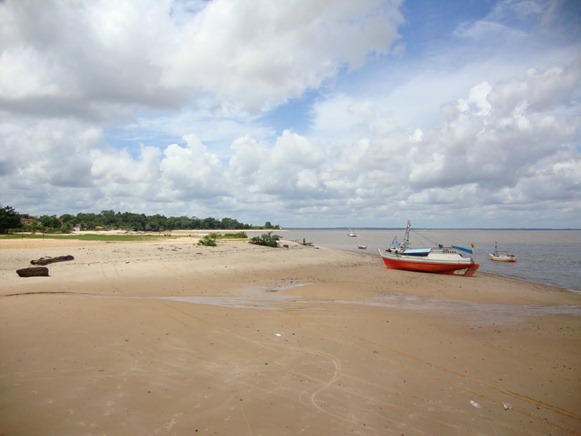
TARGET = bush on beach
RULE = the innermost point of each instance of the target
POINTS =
(208, 240)
(267, 239)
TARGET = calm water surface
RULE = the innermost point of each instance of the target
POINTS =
(544, 256)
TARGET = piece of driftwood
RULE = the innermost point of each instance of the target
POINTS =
(48, 259)
(33, 271)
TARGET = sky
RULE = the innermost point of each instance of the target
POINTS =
(319, 113)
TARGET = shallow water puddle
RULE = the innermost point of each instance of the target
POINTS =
(265, 303)
(254, 297)
(273, 298)
(477, 313)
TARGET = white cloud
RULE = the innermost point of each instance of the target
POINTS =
(542, 90)
(497, 139)
(288, 168)
(278, 50)
(507, 140)
(144, 106)
(116, 172)
(191, 172)
(22, 80)
(153, 54)
(246, 160)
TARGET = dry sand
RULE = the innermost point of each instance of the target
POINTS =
(168, 337)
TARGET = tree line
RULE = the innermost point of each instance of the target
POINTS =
(10, 220)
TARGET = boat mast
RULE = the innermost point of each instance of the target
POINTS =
(406, 239)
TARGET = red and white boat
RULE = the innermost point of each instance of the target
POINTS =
(438, 260)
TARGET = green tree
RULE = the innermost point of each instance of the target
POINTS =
(50, 222)
(67, 218)
(231, 224)
(108, 219)
(68, 222)
(9, 219)
(87, 220)
(128, 221)
(195, 223)
(211, 223)
(156, 223)
(269, 225)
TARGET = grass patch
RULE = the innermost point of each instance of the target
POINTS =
(209, 240)
(239, 235)
(88, 237)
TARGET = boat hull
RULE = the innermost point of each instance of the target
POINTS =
(463, 266)
(502, 258)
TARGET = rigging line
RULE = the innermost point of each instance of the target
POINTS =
(424, 238)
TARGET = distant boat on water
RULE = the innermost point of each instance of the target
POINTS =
(438, 260)
(352, 234)
(501, 256)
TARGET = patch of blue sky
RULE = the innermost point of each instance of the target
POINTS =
(182, 11)
(429, 24)
(447, 47)
(295, 115)
(132, 138)
(427, 46)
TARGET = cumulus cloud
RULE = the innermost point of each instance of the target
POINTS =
(290, 167)
(51, 151)
(156, 53)
(500, 134)
(542, 90)
(495, 146)
(156, 107)
(192, 172)
(491, 147)
(278, 50)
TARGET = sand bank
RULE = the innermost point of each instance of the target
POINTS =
(167, 337)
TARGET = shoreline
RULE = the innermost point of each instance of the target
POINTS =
(199, 233)
(168, 337)
(187, 236)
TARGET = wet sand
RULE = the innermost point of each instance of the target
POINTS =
(167, 337)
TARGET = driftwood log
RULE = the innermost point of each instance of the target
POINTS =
(33, 271)
(48, 259)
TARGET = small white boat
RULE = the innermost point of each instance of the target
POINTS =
(352, 234)
(362, 247)
(501, 256)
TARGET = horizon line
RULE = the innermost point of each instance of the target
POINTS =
(433, 228)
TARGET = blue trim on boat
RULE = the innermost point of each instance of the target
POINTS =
(467, 250)
(417, 251)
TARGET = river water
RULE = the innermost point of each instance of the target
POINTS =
(544, 256)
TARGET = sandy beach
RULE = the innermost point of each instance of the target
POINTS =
(170, 338)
